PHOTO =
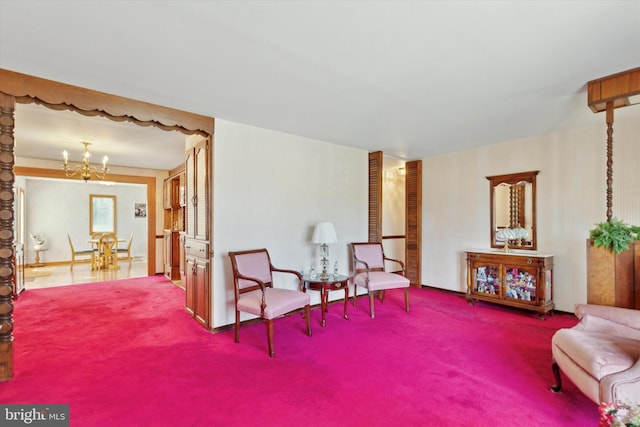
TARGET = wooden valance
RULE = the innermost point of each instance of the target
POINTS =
(56, 95)
(616, 88)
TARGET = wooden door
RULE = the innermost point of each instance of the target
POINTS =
(189, 286)
(413, 221)
(202, 172)
(197, 230)
(190, 188)
(375, 196)
(202, 292)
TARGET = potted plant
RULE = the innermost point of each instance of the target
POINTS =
(614, 235)
(613, 250)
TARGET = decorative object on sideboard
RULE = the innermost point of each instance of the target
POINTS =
(511, 235)
(323, 235)
(85, 170)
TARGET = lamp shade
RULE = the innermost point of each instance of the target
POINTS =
(324, 233)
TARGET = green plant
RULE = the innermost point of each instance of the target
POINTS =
(614, 234)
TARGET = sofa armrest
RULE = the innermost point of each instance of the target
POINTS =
(621, 386)
(624, 316)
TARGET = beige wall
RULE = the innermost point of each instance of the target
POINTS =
(571, 199)
(270, 190)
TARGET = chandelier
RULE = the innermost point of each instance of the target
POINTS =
(84, 170)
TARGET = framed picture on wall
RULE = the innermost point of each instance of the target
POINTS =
(140, 210)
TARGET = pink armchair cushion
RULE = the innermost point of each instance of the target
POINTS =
(599, 354)
(379, 280)
(371, 254)
(254, 265)
(278, 301)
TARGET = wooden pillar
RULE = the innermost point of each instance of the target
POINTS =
(7, 255)
(609, 160)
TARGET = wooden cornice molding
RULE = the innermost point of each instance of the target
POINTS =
(616, 88)
(89, 102)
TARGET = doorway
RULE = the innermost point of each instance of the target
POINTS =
(18, 88)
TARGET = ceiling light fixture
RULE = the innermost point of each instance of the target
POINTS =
(85, 170)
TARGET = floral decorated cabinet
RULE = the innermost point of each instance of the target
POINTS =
(516, 279)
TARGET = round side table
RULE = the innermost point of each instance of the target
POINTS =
(324, 285)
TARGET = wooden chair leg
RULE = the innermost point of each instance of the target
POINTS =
(371, 296)
(355, 294)
(406, 299)
(270, 336)
(237, 326)
(557, 387)
(307, 318)
(71, 266)
(381, 294)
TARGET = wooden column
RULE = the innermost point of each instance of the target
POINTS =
(7, 255)
(609, 160)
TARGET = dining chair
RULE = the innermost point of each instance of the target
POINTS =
(107, 252)
(369, 272)
(82, 253)
(255, 293)
(126, 251)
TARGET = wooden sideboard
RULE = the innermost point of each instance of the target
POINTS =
(522, 280)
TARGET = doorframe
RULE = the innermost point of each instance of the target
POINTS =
(18, 88)
(413, 212)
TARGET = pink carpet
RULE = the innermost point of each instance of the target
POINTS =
(125, 353)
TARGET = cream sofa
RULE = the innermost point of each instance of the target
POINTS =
(601, 354)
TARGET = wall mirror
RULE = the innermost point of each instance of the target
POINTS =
(513, 210)
(102, 214)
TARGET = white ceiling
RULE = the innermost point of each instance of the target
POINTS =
(411, 78)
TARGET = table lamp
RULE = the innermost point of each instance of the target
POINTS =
(324, 234)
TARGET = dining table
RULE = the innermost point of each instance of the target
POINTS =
(95, 243)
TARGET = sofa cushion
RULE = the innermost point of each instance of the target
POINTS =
(598, 353)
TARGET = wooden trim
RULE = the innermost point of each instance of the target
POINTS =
(615, 88)
(57, 95)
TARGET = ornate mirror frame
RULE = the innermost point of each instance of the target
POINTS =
(519, 207)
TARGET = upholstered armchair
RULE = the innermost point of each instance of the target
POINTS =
(255, 293)
(601, 354)
(369, 272)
